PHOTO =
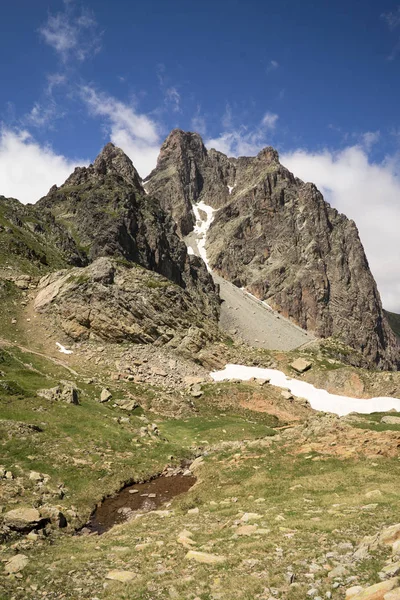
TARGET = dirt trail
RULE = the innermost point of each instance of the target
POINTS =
(7, 344)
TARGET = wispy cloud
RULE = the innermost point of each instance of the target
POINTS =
(392, 20)
(242, 141)
(29, 169)
(45, 112)
(72, 33)
(269, 120)
(272, 66)
(136, 133)
(198, 122)
(173, 99)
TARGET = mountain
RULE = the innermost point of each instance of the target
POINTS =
(117, 270)
(276, 236)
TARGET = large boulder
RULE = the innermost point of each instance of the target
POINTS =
(22, 519)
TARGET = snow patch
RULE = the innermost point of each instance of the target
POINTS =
(201, 228)
(190, 250)
(62, 349)
(319, 399)
(230, 188)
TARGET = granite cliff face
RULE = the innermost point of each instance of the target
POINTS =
(276, 236)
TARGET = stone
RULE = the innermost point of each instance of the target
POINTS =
(390, 535)
(339, 571)
(373, 494)
(396, 547)
(185, 538)
(353, 591)
(391, 570)
(66, 391)
(193, 511)
(300, 365)
(204, 557)
(391, 420)
(392, 595)
(377, 591)
(105, 395)
(121, 576)
(196, 464)
(246, 530)
(34, 476)
(287, 395)
(16, 564)
(248, 516)
(22, 519)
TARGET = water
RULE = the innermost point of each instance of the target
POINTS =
(137, 498)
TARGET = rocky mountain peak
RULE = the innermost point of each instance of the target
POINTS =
(182, 145)
(276, 236)
(111, 162)
(269, 155)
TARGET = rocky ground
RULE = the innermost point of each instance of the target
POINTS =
(283, 499)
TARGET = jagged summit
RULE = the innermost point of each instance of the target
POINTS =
(112, 162)
(276, 236)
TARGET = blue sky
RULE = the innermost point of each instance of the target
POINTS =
(318, 80)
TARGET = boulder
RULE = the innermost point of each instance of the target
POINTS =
(105, 395)
(300, 365)
(389, 420)
(22, 519)
(390, 535)
(377, 591)
(16, 564)
(121, 576)
(66, 391)
(204, 557)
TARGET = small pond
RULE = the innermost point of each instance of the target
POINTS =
(137, 498)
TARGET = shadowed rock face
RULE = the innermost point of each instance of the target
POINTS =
(107, 212)
(276, 235)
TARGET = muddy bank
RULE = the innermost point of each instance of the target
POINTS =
(135, 499)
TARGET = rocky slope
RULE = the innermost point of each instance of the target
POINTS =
(117, 302)
(276, 236)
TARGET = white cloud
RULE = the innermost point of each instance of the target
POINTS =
(243, 141)
(269, 120)
(135, 133)
(368, 193)
(27, 169)
(173, 99)
(72, 34)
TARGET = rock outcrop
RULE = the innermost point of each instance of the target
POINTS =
(117, 302)
(276, 236)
